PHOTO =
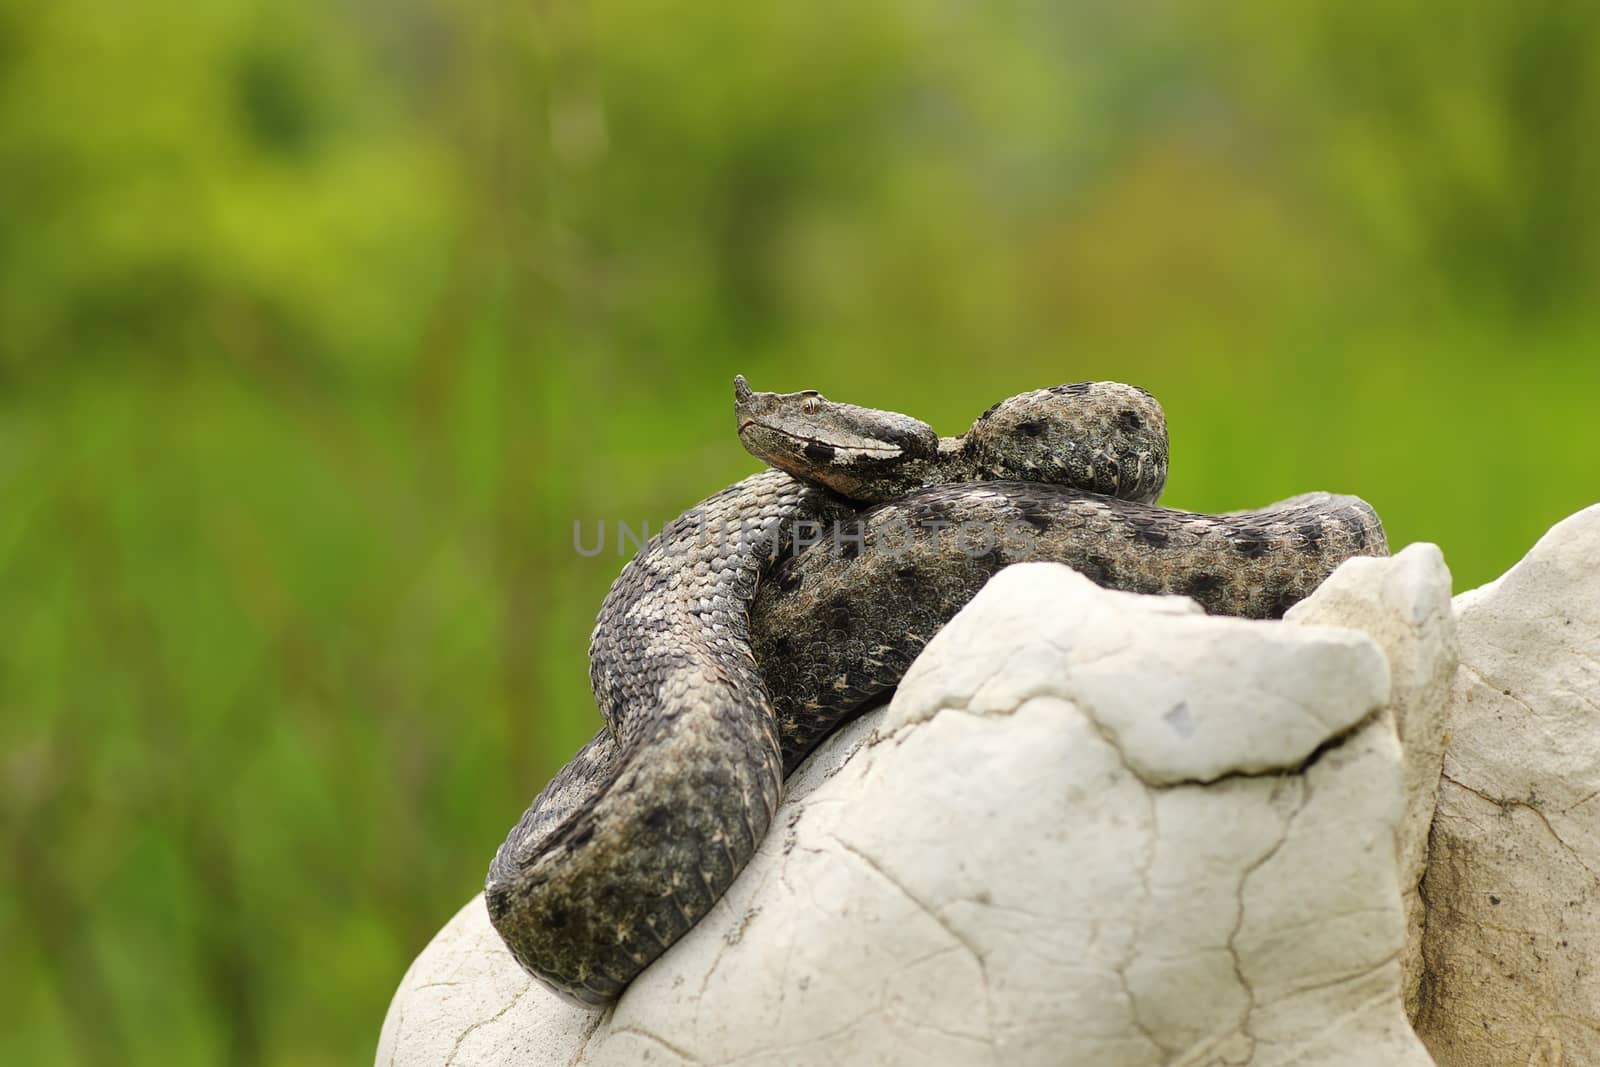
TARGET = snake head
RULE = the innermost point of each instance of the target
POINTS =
(857, 452)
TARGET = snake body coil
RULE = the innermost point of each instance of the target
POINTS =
(731, 644)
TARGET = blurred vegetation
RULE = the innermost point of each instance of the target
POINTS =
(321, 323)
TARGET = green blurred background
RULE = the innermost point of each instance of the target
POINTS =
(320, 323)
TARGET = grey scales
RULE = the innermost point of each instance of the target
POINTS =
(774, 610)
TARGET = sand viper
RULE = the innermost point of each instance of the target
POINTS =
(760, 619)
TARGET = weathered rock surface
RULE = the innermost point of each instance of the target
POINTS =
(1092, 828)
(1403, 603)
(1512, 945)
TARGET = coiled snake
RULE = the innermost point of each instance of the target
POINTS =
(761, 619)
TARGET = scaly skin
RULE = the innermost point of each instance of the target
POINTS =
(635, 840)
(840, 622)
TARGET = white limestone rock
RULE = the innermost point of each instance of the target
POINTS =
(1092, 828)
(1403, 603)
(1512, 946)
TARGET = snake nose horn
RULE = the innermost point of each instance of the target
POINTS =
(741, 389)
